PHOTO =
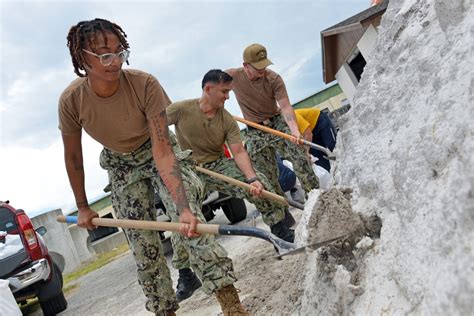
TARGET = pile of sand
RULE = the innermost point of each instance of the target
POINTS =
(277, 287)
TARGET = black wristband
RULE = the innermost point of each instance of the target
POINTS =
(252, 180)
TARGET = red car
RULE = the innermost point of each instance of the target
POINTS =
(26, 263)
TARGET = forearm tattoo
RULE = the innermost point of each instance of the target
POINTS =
(171, 175)
(161, 130)
(181, 200)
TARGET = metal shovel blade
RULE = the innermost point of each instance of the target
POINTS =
(280, 245)
(313, 246)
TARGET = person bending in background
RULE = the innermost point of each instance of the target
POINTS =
(316, 127)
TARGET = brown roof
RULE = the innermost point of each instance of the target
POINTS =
(360, 17)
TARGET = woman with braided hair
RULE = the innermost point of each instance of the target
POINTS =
(124, 110)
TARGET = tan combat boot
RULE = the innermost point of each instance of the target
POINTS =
(229, 300)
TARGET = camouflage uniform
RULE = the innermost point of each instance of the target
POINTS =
(133, 179)
(263, 146)
(272, 212)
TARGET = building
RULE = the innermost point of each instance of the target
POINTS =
(103, 239)
(347, 45)
(330, 99)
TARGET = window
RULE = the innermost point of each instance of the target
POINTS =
(357, 65)
(7, 221)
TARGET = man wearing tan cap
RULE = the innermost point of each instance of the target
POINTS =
(262, 97)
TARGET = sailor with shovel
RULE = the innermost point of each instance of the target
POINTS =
(263, 99)
(203, 126)
(124, 110)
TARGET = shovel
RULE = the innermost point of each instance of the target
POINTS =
(267, 194)
(282, 247)
(329, 154)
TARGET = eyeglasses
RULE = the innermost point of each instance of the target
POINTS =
(260, 71)
(108, 58)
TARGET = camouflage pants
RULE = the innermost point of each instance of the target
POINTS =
(263, 147)
(134, 179)
(272, 212)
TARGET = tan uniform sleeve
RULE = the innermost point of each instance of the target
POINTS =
(172, 113)
(68, 119)
(232, 129)
(230, 72)
(156, 98)
(279, 88)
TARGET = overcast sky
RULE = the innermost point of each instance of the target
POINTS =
(176, 41)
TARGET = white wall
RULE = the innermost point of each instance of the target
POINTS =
(347, 81)
(58, 239)
(82, 243)
(367, 42)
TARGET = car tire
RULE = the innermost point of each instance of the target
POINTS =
(235, 210)
(56, 303)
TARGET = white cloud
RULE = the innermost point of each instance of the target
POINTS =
(30, 107)
(36, 179)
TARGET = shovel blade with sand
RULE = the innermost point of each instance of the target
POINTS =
(312, 246)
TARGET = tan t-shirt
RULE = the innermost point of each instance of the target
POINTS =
(118, 122)
(204, 136)
(258, 99)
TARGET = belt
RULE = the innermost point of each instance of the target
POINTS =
(131, 152)
(265, 123)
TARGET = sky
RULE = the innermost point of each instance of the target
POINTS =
(176, 41)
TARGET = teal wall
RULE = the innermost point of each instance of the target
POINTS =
(319, 97)
(98, 205)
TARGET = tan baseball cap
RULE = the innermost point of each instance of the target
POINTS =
(256, 55)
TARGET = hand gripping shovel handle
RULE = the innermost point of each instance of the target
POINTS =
(329, 154)
(268, 195)
(281, 245)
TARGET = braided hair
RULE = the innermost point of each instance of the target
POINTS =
(82, 35)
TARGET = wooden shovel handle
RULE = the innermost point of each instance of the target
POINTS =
(266, 129)
(269, 195)
(137, 224)
(225, 230)
(286, 136)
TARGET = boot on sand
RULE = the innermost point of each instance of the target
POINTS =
(229, 300)
(188, 282)
(289, 220)
(281, 230)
